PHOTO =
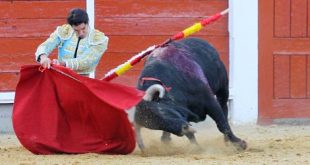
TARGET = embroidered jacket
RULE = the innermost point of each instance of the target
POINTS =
(90, 50)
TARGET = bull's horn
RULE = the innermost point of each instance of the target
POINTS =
(153, 91)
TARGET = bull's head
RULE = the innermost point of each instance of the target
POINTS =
(158, 111)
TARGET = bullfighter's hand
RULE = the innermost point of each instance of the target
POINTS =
(56, 62)
(45, 61)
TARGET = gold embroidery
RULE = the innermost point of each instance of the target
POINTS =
(65, 31)
(70, 49)
(97, 37)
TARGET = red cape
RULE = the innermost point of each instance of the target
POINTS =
(59, 111)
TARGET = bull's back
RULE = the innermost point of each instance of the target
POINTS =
(192, 55)
(206, 56)
(208, 59)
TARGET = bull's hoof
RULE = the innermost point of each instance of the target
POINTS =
(241, 145)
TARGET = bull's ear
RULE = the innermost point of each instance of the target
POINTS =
(154, 93)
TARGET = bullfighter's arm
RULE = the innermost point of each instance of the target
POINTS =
(48, 46)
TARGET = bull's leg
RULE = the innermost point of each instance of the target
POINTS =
(165, 137)
(191, 137)
(216, 113)
(222, 97)
(138, 136)
(189, 133)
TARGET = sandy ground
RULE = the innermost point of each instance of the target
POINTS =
(267, 145)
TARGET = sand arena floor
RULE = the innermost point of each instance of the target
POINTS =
(266, 145)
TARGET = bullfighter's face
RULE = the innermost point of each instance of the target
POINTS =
(81, 30)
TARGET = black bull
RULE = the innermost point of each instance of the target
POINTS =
(184, 81)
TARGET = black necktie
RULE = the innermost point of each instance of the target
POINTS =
(77, 46)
